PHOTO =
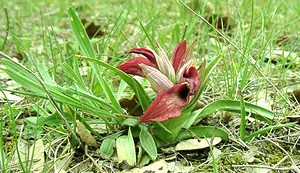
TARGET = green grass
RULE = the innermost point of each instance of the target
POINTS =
(42, 30)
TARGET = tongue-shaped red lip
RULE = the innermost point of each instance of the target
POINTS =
(167, 104)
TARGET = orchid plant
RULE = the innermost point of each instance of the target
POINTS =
(170, 117)
(174, 81)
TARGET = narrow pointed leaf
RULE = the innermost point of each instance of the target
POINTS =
(266, 129)
(257, 112)
(202, 131)
(243, 119)
(85, 44)
(163, 132)
(80, 34)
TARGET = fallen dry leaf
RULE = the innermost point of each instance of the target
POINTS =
(296, 94)
(131, 105)
(220, 22)
(216, 153)
(195, 144)
(282, 40)
(264, 100)
(281, 57)
(34, 155)
(9, 96)
(92, 29)
(85, 135)
(160, 166)
(294, 118)
(38, 156)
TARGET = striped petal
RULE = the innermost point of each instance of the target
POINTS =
(157, 80)
(164, 64)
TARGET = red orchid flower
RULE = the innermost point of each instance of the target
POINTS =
(174, 81)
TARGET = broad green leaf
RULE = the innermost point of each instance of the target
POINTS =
(176, 124)
(126, 149)
(162, 132)
(107, 148)
(148, 143)
(202, 131)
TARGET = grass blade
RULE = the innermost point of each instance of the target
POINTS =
(46, 91)
(208, 69)
(7, 28)
(248, 58)
(80, 34)
(86, 46)
(202, 131)
(243, 119)
(264, 130)
(144, 99)
(148, 37)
